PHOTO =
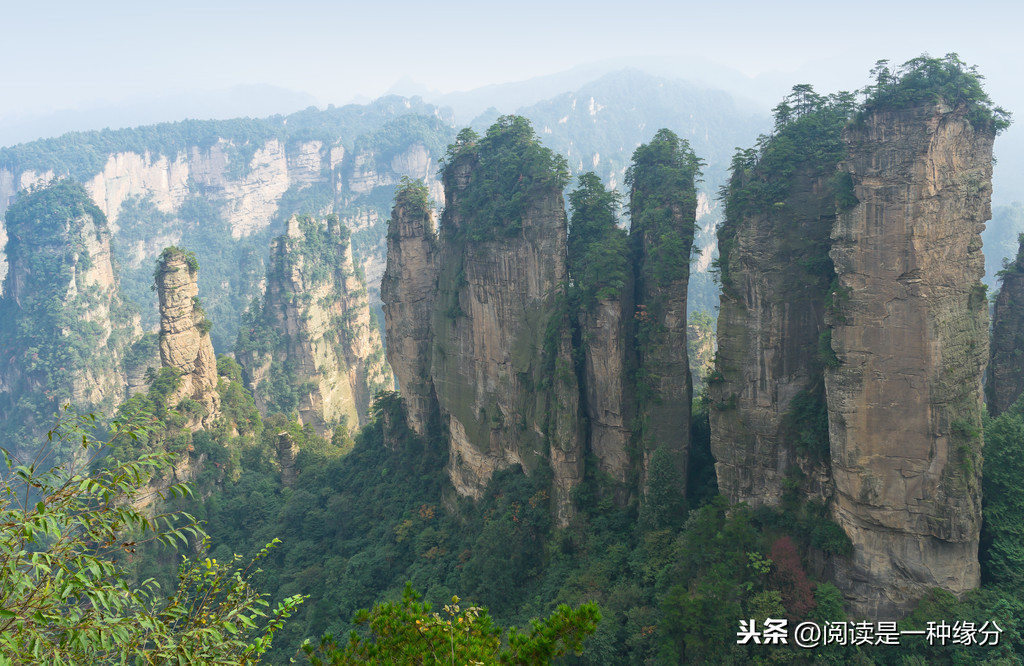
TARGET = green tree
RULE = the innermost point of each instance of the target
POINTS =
(1002, 537)
(598, 250)
(67, 535)
(407, 632)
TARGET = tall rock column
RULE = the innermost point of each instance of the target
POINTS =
(1005, 381)
(769, 421)
(663, 208)
(602, 293)
(768, 371)
(312, 347)
(185, 332)
(408, 289)
(501, 362)
(909, 334)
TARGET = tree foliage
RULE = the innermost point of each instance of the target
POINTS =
(599, 261)
(511, 170)
(925, 79)
(65, 535)
(407, 632)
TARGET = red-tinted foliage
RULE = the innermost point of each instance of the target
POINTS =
(789, 578)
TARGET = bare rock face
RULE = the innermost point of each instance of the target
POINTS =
(185, 333)
(909, 334)
(496, 357)
(142, 358)
(608, 394)
(496, 299)
(312, 347)
(287, 451)
(776, 275)
(63, 328)
(407, 290)
(1005, 381)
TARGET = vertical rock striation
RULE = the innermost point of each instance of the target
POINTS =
(497, 299)
(1005, 380)
(407, 290)
(909, 334)
(312, 346)
(769, 422)
(607, 392)
(771, 317)
(500, 345)
(185, 333)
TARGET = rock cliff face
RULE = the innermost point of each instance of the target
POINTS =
(909, 334)
(311, 346)
(663, 208)
(497, 363)
(776, 278)
(497, 299)
(500, 348)
(608, 392)
(225, 187)
(63, 328)
(142, 358)
(185, 334)
(1005, 380)
(408, 289)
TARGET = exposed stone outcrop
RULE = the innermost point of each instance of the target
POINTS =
(407, 290)
(496, 300)
(311, 346)
(185, 334)
(141, 360)
(500, 358)
(1005, 380)
(287, 451)
(607, 390)
(63, 329)
(663, 211)
(776, 274)
(909, 334)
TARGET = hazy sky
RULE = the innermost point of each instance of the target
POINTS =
(62, 55)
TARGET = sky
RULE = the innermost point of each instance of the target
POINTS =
(67, 58)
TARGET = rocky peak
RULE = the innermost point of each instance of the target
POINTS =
(1005, 381)
(311, 346)
(909, 338)
(185, 333)
(500, 363)
(408, 290)
(663, 212)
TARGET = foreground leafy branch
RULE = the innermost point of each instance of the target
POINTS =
(66, 533)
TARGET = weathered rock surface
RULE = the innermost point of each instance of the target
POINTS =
(329, 356)
(1005, 379)
(608, 393)
(64, 329)
(910, 338)
(769, 325)
(407, 290)
(143, 358)
(497, 355)
(185, 334)
(286, 452)
(495, 300)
